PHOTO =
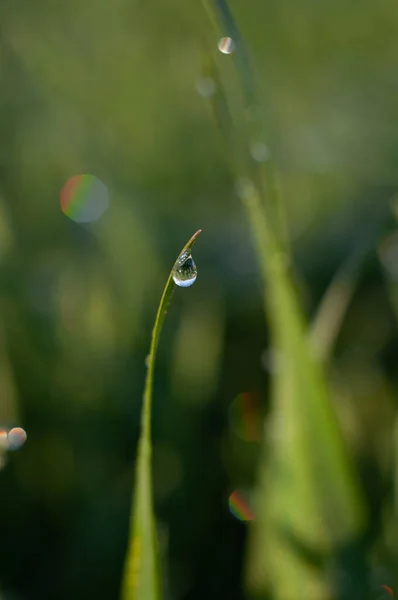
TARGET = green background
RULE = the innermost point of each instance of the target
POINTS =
(109, 88)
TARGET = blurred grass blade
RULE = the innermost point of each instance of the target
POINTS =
(308, 503)
(333, 307)
(241, 132)
(219, 12)
(141, 580)
(388, 255)
(334, 304)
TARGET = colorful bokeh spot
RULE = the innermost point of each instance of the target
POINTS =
(12, 438)
(16, 438)
(389, 591)
(240, 507)
(245, 417)
(84, 198)
(226, 45)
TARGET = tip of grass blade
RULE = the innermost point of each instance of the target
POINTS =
(191, 242)
(141, 580)
(194, 237)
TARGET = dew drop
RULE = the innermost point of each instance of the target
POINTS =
(185, 271)
(226, 45)
(16, 438)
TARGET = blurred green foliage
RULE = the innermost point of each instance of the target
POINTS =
(110, 89)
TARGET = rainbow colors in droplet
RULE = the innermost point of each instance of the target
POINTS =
(240, 507)
(84, 198)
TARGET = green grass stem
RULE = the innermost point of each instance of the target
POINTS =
(141, 580)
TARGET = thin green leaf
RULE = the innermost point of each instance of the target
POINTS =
(241, 132)
(335, 302)
(220, 13)
(308, 502)
(141, 579)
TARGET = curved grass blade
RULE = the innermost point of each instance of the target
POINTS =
(332, 309)
(224, 23)
(141, 580)
(309, 505)
(241, 131)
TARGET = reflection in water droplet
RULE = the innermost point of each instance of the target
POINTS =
(16, 438)
(147, 359)
(239, 506)
(226, 45)
(206, 86)
(185, 271)
(260, 152)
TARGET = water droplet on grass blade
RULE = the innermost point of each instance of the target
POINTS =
(185, 271)
(226, 45)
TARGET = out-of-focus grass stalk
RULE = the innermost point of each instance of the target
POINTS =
(331, 311)
(240, 139)
(308, 506)
(141, 580)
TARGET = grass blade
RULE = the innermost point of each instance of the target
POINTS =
(141, 579)
(332, 309)
(309, 507)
